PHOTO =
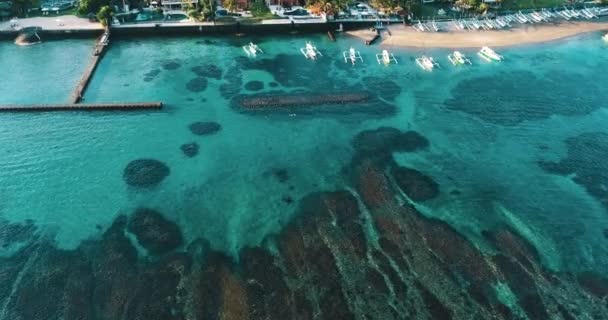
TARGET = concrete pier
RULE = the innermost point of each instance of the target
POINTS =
(82, 107)
(100, 48)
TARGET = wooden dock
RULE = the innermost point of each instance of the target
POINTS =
(100, 48)
(81, 107)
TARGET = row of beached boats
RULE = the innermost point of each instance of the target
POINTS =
(457, 58)
(506, 21)
(353, 56)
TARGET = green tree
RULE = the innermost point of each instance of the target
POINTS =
(388, 6)
(207, 9)
(91, 6)
(259, 9)
(483, 7)
(20, 7)
(104, 15)
(230, 5)
(328, 7)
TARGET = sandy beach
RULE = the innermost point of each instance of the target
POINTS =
(405, 36)
(53, 23)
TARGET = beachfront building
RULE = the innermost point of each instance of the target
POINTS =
(285, 3)
(177, 4)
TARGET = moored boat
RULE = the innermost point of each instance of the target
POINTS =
(426, 63)
(310, 51)
(385, 58)
(252, 49)
(458, 59)
(489, 55)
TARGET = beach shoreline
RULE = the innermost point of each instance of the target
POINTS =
(406, 37)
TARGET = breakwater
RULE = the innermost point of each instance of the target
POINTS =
(294, 100)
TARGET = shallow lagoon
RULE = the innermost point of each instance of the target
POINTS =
(496, 133)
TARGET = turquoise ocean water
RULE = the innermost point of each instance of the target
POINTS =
(493, 129)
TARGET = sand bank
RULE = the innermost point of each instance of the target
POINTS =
(405, 36)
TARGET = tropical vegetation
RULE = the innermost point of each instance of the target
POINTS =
(104, 15)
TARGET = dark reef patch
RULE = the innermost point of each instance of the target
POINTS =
(380, 142)
(417, 185)
(16, 232)
(594, 283)
(606, 233)
(273, 84)
(254, 85)
(208, 71)
(287, 199)
(197, 84)
(170, 65)
(190, 149)
(153, 232)
(232, 83)
(290, 74)
(586, 159)
(145, 173)
(152, 73)
(509, 98)
(204, 128)
(281, 174)
(383, 87)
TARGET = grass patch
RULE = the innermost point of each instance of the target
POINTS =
(531, 4)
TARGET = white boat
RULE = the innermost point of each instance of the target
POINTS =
(385, 58)
(352, 55)
(310, 51)
(458, 59)
(605, 37)
(489, 55)
(435, 26)
(252, 49)
(426, 63)
(537, 17)
(591, 14)
(564, 14)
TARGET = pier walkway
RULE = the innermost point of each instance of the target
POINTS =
(81, 107)
(100, 48)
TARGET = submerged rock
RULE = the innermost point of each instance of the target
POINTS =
(417, 186)
(190, 149)
(170, 65)
(254, 85)
(205, 128)
(197, 84)
(145, 173)
(153, 232)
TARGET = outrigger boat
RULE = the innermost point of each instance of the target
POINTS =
(457, 58)
(352, 55)
(252, 49)
(426, 63)
(385, 58)
(489, 55)
(310, 51)
(605, 37)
